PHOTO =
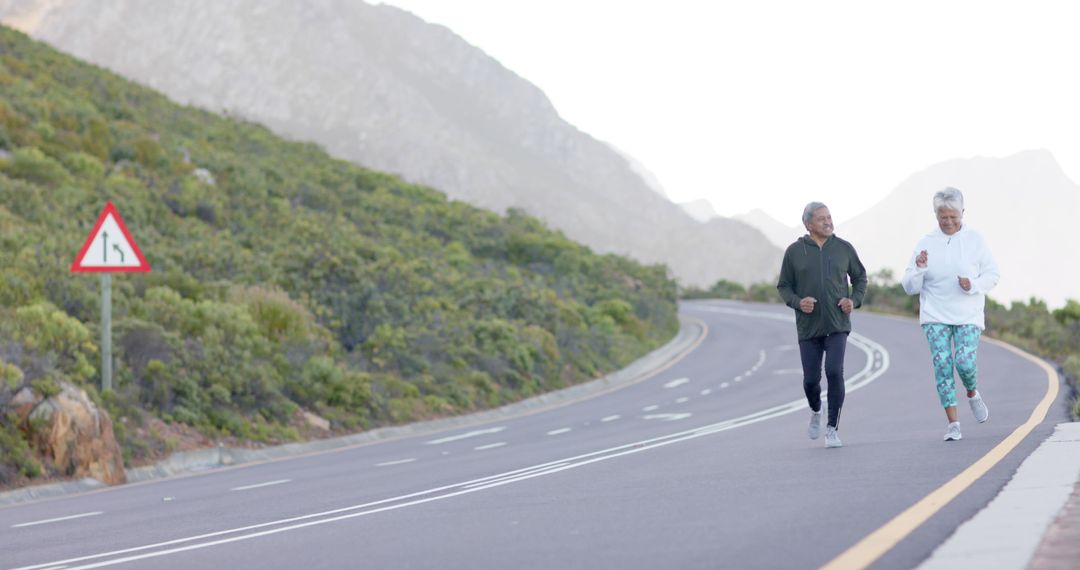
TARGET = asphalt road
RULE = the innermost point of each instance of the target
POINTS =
(706, 464)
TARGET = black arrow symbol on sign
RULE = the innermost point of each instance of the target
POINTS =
(120, 251)
(104, 247)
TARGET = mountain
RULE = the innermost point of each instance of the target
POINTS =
(1024, 205)
(779, 234)
(700, 210)
(382, 88)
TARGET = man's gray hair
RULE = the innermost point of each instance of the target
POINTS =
(808, 211)
(950, 198)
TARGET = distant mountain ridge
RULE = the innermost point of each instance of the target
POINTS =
(779, 234)
(1024, 205)
(378, 86)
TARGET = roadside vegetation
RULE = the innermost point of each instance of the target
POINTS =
(1030, 325)
(286, 284)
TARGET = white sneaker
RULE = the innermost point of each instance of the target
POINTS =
(815, 424)
(831, 437)
(978, 407)
(954, 432)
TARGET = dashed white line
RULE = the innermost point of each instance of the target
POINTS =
(258, 485)
(788, 371)
(490, 446)
(724, 385)
(682, 400)
(678, 382)
(667, 417)
(397, 462)
(465, 435)
(611, 418)
(706, 391)
(558, 431)
(57, 519)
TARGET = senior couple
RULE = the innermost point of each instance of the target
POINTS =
(951, 270)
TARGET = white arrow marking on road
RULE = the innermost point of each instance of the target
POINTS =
(668, 417)
(466, 435)
(257, 485)
(675, 383)
(57, 519)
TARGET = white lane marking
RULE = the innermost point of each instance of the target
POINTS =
(653, 407)
(788, 371)
(739, 379)
(760, 360)
(873, 370)
(494, 445)
(668, 417)
(611, 418)
(539, 469)
(465, 435)
(682, 400)
(397, 462)
(786, 347)
(558, 431)
(678, 382)
(725, 385)
(267, 484)
(57, 519)
(706, 391)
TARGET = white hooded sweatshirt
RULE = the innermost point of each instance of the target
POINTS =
(941, 299)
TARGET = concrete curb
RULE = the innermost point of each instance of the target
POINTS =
(691, 331)
(1005, 534)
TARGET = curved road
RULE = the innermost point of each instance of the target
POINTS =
(705, 464)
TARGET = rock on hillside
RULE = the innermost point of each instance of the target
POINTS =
(1024, 205)
(74, 435)
(380, 87)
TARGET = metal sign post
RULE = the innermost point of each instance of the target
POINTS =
(106, 332)
(100, 254)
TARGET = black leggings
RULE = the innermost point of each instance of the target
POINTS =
(811, 350)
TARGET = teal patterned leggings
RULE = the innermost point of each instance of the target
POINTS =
(949, 343)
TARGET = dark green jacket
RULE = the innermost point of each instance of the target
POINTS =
(821, 273)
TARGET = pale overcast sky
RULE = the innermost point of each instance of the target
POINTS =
(769, 104)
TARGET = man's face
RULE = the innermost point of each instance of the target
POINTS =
(820, 225)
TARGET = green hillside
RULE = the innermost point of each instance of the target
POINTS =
(283, 280)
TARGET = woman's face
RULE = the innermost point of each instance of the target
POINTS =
(950, 220)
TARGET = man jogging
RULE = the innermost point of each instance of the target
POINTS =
(814, 281)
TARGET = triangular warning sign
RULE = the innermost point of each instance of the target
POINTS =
(109, 247)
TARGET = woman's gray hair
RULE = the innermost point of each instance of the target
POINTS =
(950, 198)
(808, 211)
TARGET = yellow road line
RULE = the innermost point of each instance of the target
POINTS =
(877, 543)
